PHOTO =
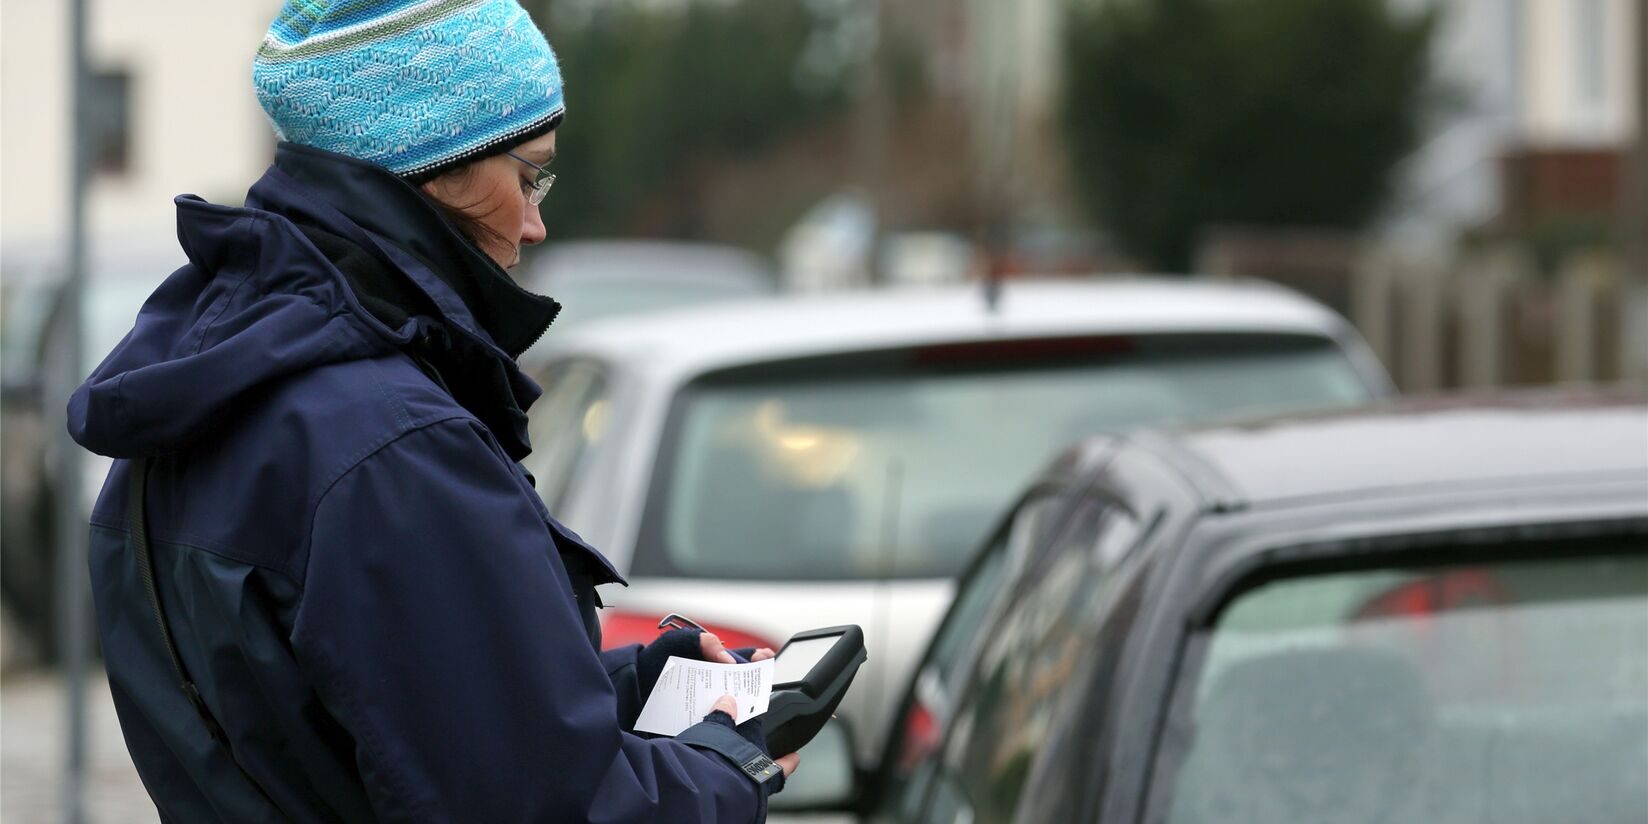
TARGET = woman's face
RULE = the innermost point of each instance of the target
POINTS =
(495, 192)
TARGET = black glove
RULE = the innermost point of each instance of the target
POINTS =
(649, 662)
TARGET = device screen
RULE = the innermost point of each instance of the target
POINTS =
(798, 658)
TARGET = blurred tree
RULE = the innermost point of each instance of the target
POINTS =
(656, 91)
(1180, 114)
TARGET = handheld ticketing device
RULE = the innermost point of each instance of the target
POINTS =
(810, 675)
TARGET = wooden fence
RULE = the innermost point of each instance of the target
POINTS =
(1492, 318)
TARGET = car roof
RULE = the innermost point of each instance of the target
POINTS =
(783, 326)
(596, 261)
(1419, 444)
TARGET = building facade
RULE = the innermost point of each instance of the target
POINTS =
(172, 111)
(1539, 116)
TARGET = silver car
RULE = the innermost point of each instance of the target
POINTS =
(597, 279)
(773, 465)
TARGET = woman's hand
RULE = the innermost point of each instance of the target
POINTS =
(726, 704)
(711, 649)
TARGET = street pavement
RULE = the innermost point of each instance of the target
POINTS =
(33, 722)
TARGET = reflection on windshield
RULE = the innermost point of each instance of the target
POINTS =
(900, 472)
(1510, 693)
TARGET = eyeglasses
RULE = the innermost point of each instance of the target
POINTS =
(540, 184)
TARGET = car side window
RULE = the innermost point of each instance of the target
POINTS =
(570, 418)
(1007, 714)
(916, 735)
(956, 637)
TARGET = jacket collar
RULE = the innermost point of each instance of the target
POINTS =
(465, 319)
(394, 210)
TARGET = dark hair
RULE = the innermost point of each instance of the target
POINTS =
(460, 217)
(467, 224)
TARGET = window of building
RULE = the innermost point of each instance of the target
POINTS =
(108, 115)
(1590, 52)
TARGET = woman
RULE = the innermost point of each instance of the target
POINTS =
(359, 609)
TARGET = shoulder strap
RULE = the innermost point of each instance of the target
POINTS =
(138, 521)
(137, 514)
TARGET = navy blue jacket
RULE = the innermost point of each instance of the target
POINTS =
(356, 570)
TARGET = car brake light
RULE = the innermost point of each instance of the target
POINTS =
(1457, 589)
(921, 737)
(621, 627)
(1494, 639)
(1022, 350)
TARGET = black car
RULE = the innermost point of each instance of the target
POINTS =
(1430, 611)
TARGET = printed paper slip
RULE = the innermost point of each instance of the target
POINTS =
(687, 689)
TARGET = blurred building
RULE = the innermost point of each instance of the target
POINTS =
(1527, 151)
(1539, 124)
(979, 149)
(1013, 74)
(172, 110)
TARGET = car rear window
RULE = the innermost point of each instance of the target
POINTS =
(895, 463)
(1505, 692)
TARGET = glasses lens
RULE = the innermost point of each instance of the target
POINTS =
(541, 187)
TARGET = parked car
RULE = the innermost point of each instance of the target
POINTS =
(601, 278)
(121, 274)
(768, 466)
(1427, 611)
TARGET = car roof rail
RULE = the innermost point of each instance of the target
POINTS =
(1218, 493)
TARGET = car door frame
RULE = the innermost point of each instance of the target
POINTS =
(1222, 557)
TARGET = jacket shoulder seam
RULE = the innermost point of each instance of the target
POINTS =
(403, 421)
(366, 453)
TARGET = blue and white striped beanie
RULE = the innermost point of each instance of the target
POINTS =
(415, 86)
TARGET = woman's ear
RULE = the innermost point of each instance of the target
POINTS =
(439, 188)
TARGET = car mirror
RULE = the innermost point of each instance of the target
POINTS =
(827, 778)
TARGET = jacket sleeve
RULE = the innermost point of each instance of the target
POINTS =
(620, 664)
(439, 628)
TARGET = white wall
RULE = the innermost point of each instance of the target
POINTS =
(1516, 65)
(1578, 72)
(1451, 180)
(196, 126)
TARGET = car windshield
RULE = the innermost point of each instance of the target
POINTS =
(1512, 692)
(895, 463)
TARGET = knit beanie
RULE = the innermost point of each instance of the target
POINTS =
(414, 86)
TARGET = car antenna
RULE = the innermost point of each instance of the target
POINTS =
(992, 290)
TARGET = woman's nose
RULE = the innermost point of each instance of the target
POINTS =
(532, 227)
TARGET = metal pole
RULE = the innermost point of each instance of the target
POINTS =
(986, 120)
(1634, 218)
(871, 119)
(71, 521)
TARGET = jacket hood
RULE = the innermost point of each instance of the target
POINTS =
(258, 302)
(389, 208)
